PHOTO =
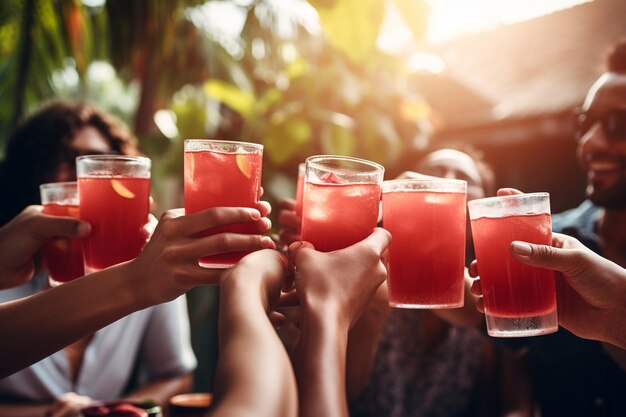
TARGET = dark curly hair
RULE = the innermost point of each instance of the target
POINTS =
(42, 144)
(615, 60)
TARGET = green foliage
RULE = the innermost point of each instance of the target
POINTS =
(191, 116)
(42, 41)
(298, 94)
(337, 140)
(339, 95)
(285, 136)
(240, 101)
(352, 26)
(29, 54)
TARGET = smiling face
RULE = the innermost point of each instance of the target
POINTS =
(604, 157)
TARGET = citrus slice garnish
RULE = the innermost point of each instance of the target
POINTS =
(121, 189)
(244, 165)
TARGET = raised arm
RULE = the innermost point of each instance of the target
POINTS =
(334, 290)
(254, 374)
(66, 313)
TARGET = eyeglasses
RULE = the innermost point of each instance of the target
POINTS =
(613, 123)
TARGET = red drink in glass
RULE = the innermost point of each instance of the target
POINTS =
(338, 216)
(519, 300)
(510, 288)
(341, 201)
(427, 252)
(222, 174)
(63, 256)
(114, 193)
(117, 209)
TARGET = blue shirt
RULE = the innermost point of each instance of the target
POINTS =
(574, 376)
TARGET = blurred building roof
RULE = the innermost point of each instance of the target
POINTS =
(538, 67)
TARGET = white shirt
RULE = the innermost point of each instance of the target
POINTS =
(158, 335)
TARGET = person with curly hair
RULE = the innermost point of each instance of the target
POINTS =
(99, 366)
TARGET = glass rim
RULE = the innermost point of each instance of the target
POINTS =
(121, 158)
(480, 201)
(438, 181)
(59, 184)
(225, 142)
(377, 167)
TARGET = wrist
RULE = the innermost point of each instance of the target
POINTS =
(139, 296)
(324, 311)
(320, 324)
(244, 289)
(251, 282)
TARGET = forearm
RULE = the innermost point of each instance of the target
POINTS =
(61, 316)
(24, 410)
(254, 374)
(363, 340)
(162, 390)
(320, 365)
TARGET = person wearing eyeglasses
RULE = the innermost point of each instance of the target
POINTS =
(573, 376)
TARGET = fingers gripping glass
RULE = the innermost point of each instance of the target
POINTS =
(613, 123)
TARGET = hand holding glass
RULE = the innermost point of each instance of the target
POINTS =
(520, 300)
(222, 174)
(62, 256)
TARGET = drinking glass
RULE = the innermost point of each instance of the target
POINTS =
(62, 256)
(114, 194)
(520, 300)
(222, 174)
(427, 222)
(341, 200)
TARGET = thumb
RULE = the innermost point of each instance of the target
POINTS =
(379, 240)
(50, 226)
(295, 248)
(568, 261)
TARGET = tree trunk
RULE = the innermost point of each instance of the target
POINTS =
(24, 61)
